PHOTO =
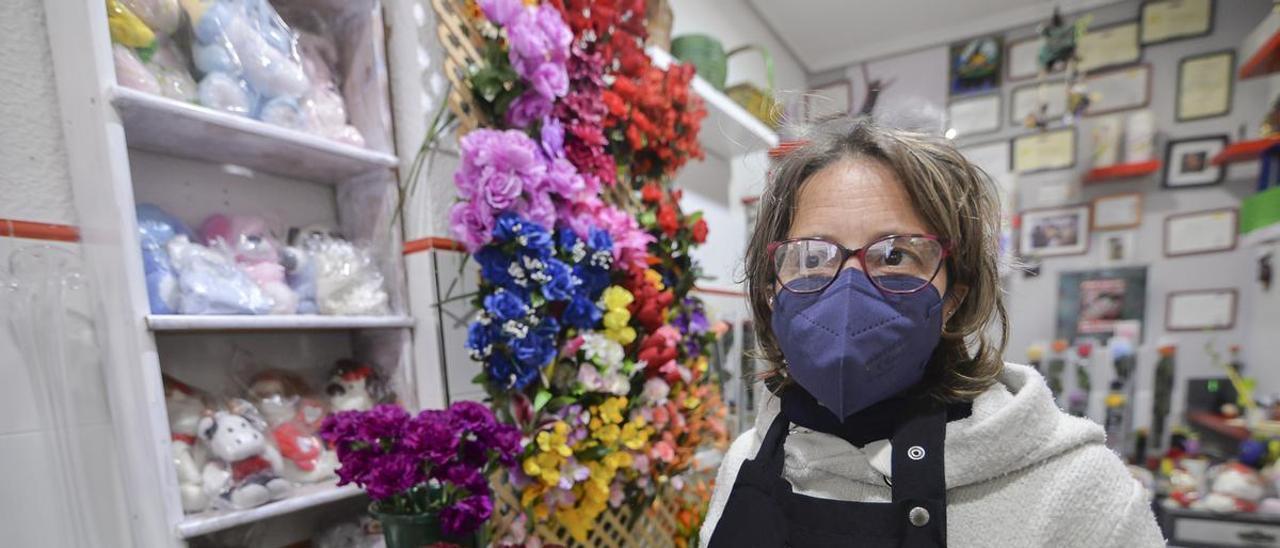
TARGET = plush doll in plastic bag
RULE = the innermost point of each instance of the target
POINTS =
(155, 228)
(355, 386)
(300, 272)
(210, 283)
(186, 407)
(243, 470)
(249, 60)
(348, 282)
(145, 55)
(256, 252)
(323, 104)
(293, 419)
(365, 532)
(1233, 487)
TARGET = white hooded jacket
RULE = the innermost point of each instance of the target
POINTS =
(1019, 472)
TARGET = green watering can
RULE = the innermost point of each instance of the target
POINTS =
(711, 61)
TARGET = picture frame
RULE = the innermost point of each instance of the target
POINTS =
(829, 99)
(1168, 20)
(1022, 59)
(1117, 211)
(1201, 232)
(1117, 247)
(1057, 231)
(1206, 83)
(1188, 162)
(973, 115)
(975, 65)
(1109, 46)
(1201, 309)
(1043, 151)
(1093, 304)
(1119, 89)
(1025, 99)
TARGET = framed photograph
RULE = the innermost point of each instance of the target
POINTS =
(1168, 20)
(1023, 59)
(1118, 211)
(1109, 46)
(1027, 99)
(1187, 162)
(1044, 150)
(1204, 85)
(1119, 89)
(1117, 248)
(975, 65)
(1092, 303)
(973, 116)
(828, 100)
(1200, 232)
(1054, 231)
(1200, 309)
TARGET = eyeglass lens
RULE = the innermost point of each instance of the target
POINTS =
(899, 264)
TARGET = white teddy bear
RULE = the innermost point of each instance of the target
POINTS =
(185, 408)
(246, 471)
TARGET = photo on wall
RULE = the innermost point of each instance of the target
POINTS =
(1091, 303)
(1055, 231)
(975, 65)
(1189, 162)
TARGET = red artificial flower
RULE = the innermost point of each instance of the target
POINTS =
(651, 193)
(667, 220)
(700, 231)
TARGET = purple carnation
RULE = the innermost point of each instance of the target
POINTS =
(563, 179)
(385, 422)
(527, 108)
(501, 12)
(551, 137)
(431, 436)
(540, 209)
(472, 224)
(496, 165)
(550, 79)
(466, 515)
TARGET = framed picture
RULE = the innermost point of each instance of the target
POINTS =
(1023, 59)
(1188, 162)
(975, 65)
(1204, 85)
(1044, 150)
(1027, 99)
(1200, 232)
(1168, 20)
(828, 100)
(1200, 309)
(1117, 248)
(1109, 46)
(973, 116)
(1054, 231)
(1119, 89)
(1091, 303)
(1117, 211)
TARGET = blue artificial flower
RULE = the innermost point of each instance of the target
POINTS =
(594, 280)
(479, 337)
(509, 226)
(501, 370)
(526, 375)
(582, 313)
(566, 239)
(599, 240)
(506, 305)
(493, 266)
(548, 327)
(537, 238)
(534, 350)
(561, 282)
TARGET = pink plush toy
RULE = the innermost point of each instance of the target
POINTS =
(248, 239)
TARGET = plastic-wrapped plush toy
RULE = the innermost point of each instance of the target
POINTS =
(300, 272)
(185, 408)
(249, 61)
(355, 386)
(293, 420)
(365, 532)
(146, 58)
(210, 283)
(155, 228)
(323, 105)
(257, 254)
(244, 470)
(348, 282)
(1234, 487)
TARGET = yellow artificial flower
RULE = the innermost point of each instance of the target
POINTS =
(576, 522)
(635, 434)
(607, 434)
(624, 336)
(617, 297)
(700, 364)
(653, 277)
(692, 402)
(544, 467)
(126, 27)
(617, 318)
(611, 409)
(556, 440)
(618, 459)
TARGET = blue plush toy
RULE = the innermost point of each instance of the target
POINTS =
(155, 228)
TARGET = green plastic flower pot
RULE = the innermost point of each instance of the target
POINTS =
(418, 531)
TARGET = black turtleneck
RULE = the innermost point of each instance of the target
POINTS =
(877, 422)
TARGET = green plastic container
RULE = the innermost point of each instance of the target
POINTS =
(707, 55)
(1261, 209)
(418, 530)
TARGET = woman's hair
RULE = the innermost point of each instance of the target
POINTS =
(956, 199)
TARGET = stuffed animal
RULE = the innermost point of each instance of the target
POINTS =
(1234, 487)
(347, 280)
(300, 272)
(145, 56)
(255, 252)
(353, 386)
(210, 283)
(323, 104)
(185, 408)
(293, 421)
(155, 228)
(245, 469)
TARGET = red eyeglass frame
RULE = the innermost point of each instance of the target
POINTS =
(861, 254)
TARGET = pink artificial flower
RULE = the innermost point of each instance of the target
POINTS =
(571, 346)
(501, 12)
(656, 390)
(664, 451)
(472, 224)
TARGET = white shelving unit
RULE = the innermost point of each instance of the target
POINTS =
(127, 148)
(729, 130)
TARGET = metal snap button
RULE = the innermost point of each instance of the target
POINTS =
(915, 452)
(919, 516)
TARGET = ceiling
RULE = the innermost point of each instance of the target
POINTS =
(826, 34)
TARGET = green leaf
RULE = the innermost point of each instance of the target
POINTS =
(482, 378)
(648, 218)
(593, 453)
(694, 217)
(561, 402)
(540, 400)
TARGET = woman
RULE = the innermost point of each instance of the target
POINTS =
(873, 282)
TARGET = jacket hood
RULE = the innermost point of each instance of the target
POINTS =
(1014, 424)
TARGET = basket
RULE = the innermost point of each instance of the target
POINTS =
(760, 103)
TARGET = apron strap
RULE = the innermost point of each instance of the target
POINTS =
(771, 454)
(919, 479)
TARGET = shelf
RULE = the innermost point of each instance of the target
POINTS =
(1244, 151)
(303, 497)
(163, 125)
(1269, 233)
(728, 130)
(178, 322)
(1261, 48)
(1213, 422)
(1122, 171)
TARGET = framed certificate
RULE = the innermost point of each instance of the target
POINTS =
(1026, 100)
(973, 116)
(1109, 46)
(1204, 85)
(1166, 20)
(828, 100)
(1200, 309)
(1200, 232)
(1055, 231)
(1023, 59)
(1119, 89)
(1044, 151)
(1117, 211)
(1188, 162)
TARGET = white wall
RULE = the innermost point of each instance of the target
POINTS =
(34, 186)
(735, 23)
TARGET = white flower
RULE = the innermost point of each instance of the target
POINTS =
(656, 390)
(602, 351)
(515, 329)
(617, 384)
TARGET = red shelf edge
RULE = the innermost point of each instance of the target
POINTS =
(1122, 171)
(1265, 61)
(1243, 151)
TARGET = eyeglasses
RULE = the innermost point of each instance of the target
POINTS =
(897, 264)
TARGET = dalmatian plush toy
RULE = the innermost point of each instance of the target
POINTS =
(245, 469)
(353, 386)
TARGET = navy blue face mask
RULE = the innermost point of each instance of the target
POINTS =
(852, 346)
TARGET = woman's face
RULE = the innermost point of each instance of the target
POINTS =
(855, 201)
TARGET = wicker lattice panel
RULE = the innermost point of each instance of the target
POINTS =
(463, 44)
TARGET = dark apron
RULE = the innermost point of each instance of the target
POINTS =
(763, 510)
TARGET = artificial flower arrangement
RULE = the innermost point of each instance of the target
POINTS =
(591, 345)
